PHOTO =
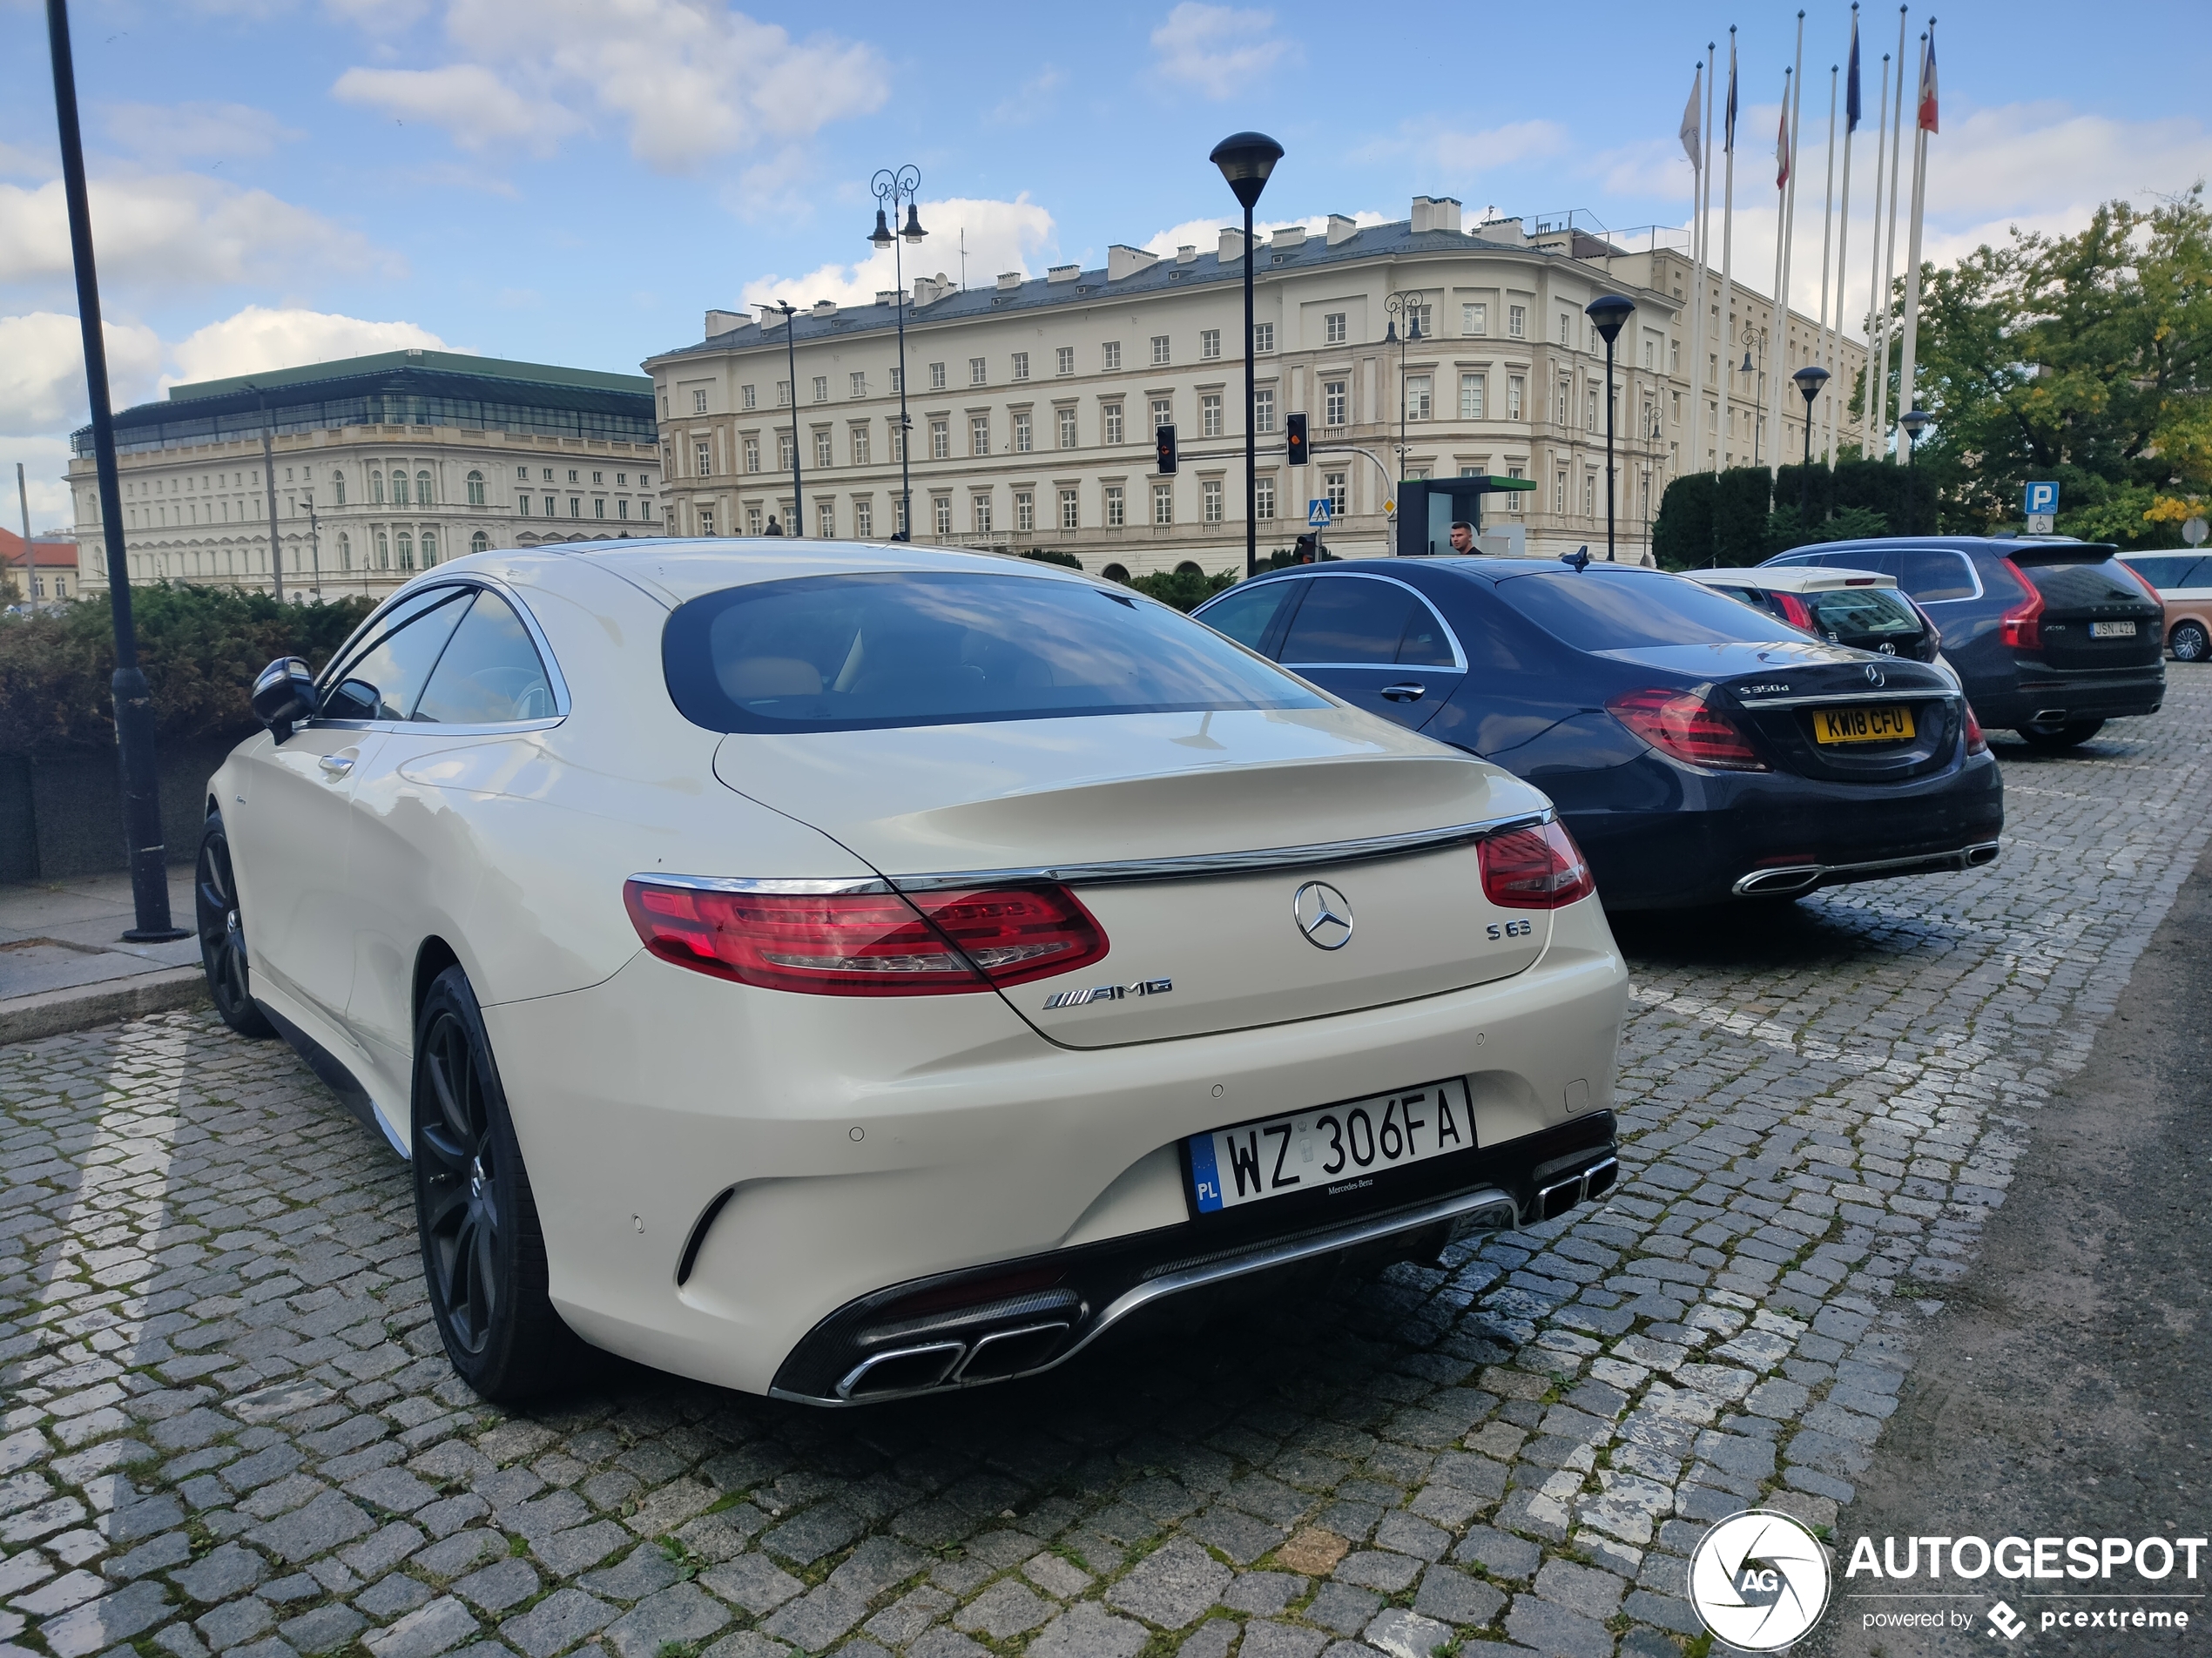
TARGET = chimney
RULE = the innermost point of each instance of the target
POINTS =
(1063, 273)
(1008, 280)
(1439, 213)
(1124, 261)
(1341, 230)
(824, 307)
(1232, 245)
(1186, 254)
(887, 296)
(1289, 236)
(1508, 231)
(723, 322)
(770, 317)
(930, 289)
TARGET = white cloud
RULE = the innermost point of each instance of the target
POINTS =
(377, 16)
(173, 132)
(175, 228)
(1219, 50)
(42, 370)
(1204, 234)
(257, 337)
(1034, 99)
(16, 162)
(45, 462)
(1001, 236)
(481, 111)
(1471, 153)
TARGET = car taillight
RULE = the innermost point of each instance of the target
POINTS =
(1684, 724)
(867, 944)
(2022, 627)
(1976, 743)
(1536, 868)
(1794, 611)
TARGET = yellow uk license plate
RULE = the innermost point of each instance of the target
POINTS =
(1862, 725)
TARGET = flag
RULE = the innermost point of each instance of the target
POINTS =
(1851, 95)
(1928, 85)
(1781, 142)
(1690, 144)
(1728, 141)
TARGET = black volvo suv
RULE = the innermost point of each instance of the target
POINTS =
(2051, 637)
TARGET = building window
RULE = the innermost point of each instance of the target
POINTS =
(1021, 365)
(1264, 410)
(1262, 338)
(823, 459)
(1067, 428)
(1162, 412)
(1559, 493)
(699, 402)
(860, 446)
(475, 482)
(1589, 494)
(752, 520)
(1209, 344)
(944, 505)
(936, 377)
(346, 551)
(1517, 322)
(1025, 510)
(1421, 320)
(1590, 409)
(406, 548)
(941, 440)
(702, 460)
(821, 389)
(783, 394)
(856, 385)
(1110, 355)
(786, 451)
(572, 474)
(575, 505)
(1160, 352)
(1116, 516)
(899, 515)
(1210, 415)
(549, 505)
(598, 506)
(547, 478)
(1474, 318)
(864, 517)
(1264, 497)
(706, 519)
(1333, 490)
(338, 484)
(976, 374)
(1023, 438)
(479, 542)
(1419, 397)
(898, 381)
(749, 397)
(1566, 328)
(1334, 328)
(622, 507)
(1674, 356)
(1163, 503)
(383, 551)
(429, 549)
(897, 442)
(752, 455)
(1063, 360)
(1475, 397)
(1516, 389)
(826, 519)
(1071, 509)
(523, 473)
(1335, 402)
(1516, 499)
(1560, 394)
(1110, 413)
(1210, 489)
(1650, 352)
(979, 434)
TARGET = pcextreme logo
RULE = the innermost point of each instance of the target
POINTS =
(1759, 1580)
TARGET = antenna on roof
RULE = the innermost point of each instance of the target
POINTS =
(963, 259)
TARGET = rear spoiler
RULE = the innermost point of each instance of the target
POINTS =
(2030, 553)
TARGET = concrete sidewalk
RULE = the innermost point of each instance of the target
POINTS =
(64, 965)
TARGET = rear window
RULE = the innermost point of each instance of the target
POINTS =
(2062, 585)
(1618, 609)
(1857, 612)
(2178, 569)
(867, 652)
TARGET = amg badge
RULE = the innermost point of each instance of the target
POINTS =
(1109, 993)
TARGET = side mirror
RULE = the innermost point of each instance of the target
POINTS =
(283, 695)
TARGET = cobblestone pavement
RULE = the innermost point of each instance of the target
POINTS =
(228, 1427)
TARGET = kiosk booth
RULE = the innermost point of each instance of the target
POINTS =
(1427, 508)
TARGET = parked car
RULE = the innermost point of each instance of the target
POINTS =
(848, 972)
(2051, 637)
(1860, 609)
(2183, 583)
(1697, 749)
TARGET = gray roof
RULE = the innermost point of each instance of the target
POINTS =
(1396, 238)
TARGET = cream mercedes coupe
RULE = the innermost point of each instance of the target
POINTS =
(849, 972)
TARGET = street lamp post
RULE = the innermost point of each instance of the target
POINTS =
(268, 475)
(894, 187)
(798, 525)
(1609, 312)
(1914, 421)
(1810, 379)
(1751, 336)
(1407, 306)
(315, 538)
(1246, 160)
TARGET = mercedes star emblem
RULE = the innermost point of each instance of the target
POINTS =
(1323, 914)
(1874, 676)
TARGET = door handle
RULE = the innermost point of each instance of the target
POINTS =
(1409, 691)
(335, 766)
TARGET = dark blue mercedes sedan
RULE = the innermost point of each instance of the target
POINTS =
(1698, 749)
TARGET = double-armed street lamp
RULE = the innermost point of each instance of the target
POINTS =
(1914, 421)
(1407, 306)
(1810, 379)
(798, 525)
(1753, 335)
(1609, 313)
(895, 187)
(1246, 160)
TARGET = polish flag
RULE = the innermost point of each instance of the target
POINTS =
(1928, 85)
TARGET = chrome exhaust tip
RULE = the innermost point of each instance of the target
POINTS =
(1986, 852)
(1788, 878)
(2047, 717)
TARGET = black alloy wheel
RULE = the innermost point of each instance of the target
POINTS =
(2060, 735)
(484, 1253)
(2190, 642)
(222, 934)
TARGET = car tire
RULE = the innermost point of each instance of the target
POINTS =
(484, 1251)
(2062, 734)
(222, 934)
(2190, 642)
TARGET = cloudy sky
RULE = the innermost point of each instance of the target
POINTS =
(574, 181)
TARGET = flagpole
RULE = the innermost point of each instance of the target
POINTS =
(1827, 232)
(1873, 405)
(1835, 334)
(1777, 378)
(1785, 166)
(1889, 247)
(1700, 239)
(1913, 246)
(1728, 297)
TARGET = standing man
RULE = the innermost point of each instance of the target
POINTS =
(1462, 536)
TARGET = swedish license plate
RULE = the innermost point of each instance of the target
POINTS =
(1335, 1149)
(2112, 629)
(1862, 725)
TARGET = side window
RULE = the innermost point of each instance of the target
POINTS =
(1247, 613)
(1353, 620)
(1930, 575)
(489, 674)
(383, 680)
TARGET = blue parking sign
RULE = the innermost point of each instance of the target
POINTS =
(2042, 497)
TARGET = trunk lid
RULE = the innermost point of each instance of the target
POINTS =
(1078, 800)
(2088, 595)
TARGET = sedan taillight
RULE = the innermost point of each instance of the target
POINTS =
(867, 944)
(2022, 627)
(1976, 743)
(1688, 727)
(1536, 868)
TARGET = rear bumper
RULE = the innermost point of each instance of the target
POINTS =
(2039, 694)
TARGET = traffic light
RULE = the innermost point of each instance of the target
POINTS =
(1306, 549)
(1166, 435)
(1294, 433)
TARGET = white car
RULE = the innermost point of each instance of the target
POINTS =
(844, 972)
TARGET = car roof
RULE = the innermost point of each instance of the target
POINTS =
(1481, 567)
(1793, 578)
(1996, 545)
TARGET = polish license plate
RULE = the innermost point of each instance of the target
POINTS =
(1862, 725)
(2112, 629)
(1334, 1149)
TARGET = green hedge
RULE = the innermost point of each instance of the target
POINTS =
(201, 648)
(1743, 515)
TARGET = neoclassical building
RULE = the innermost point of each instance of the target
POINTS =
(384, 465)
(1033, 403)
